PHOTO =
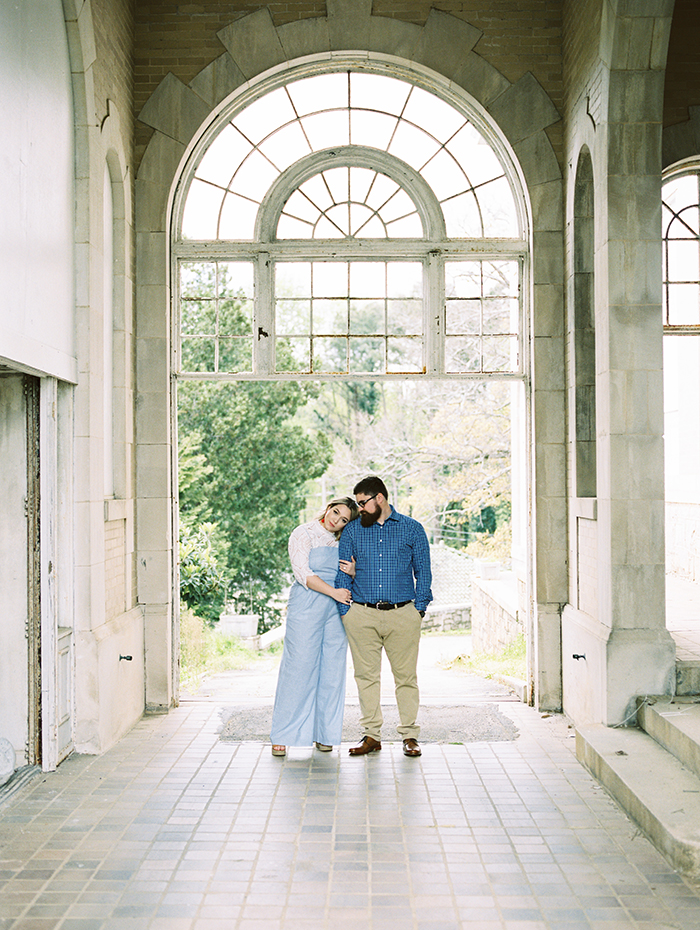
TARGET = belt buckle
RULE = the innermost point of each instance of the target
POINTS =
(384, 605)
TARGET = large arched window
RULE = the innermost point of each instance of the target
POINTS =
(681, 320)
(349, 223)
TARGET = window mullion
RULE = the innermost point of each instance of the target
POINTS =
(264, 319)
(434, 314)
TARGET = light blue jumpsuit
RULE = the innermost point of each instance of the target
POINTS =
(310, 696)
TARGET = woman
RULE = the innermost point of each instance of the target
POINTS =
(310, 695)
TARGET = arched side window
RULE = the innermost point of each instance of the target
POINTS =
(584, 329)
(349, 223)
(681, 249)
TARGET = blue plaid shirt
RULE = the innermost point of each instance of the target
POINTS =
(388, 556)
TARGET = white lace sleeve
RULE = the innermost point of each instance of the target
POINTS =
(300, 545)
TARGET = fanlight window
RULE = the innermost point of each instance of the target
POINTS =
(349, 223)
(681, 252)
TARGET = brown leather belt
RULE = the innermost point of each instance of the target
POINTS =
(384, 605)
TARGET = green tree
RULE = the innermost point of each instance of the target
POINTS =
(250, 467)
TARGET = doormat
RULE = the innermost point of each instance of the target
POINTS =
(463, 724)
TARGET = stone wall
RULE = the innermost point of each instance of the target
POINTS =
(519, 36)
(496, 617)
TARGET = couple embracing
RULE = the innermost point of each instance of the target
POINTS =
(364, 581)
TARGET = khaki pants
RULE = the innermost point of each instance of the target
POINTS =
(398, 633)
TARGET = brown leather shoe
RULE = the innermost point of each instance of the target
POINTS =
(367, 745)
(411, 748)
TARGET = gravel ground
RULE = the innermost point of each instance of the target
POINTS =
(461, 724)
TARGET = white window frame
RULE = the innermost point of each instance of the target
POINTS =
(433, 250)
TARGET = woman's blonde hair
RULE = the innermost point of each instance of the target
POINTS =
(344, 502)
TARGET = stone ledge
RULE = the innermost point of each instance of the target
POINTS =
(659, 793)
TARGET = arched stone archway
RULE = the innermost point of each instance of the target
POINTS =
(178, 113)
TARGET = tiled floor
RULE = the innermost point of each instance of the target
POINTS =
(173, 829)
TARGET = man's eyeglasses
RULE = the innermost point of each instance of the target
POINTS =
(362, 504)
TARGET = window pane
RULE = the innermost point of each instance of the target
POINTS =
(198, 318)
(501, 316)
(293, 317)
(293, 279)
(409, 227)
(237, 218)
(498, 209)
(339, 218)
(404, 279)
(382, 189)
(254, 178)
(678, 192)
(683, 261)
(683, 304)
(330, 279)
(462, 217)
(434, 115)
(375, 92)
(289, 228)
(367, 317)
(500, 279)
(327, 129)
(235, 355)
(685, 224)
(373, 129)
(399, 205)
(462, 353)
(375, 229)
(329, 354)
(445, 176)
(197, 354)
(404, 355)
(292, 355)
(366, 355)
(201, 213)
(405, 317)
(499, 353)
(367, 279)
(317, 191)
(235, 279)
(462, 317)
(223, 156)
(264, 115)
(301, 207)
(463, 279)
(330, 316)
(197, 279)
(285, 147)
(475, 155)
(235, 317)
(412, 145)
(319, 93)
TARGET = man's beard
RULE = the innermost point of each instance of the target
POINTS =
(369, 519)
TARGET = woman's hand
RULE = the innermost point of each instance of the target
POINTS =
(343, 596)
(348, 567)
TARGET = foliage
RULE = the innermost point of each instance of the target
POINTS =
(495, 547)
(510, 662)
(443, 450)
(202, 576)
(203, 650)
(245, 466)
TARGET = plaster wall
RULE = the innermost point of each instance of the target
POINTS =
(37, 331)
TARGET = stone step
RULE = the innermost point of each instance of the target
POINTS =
(655, 788)
(675, 724)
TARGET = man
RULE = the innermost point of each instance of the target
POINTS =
(390, 592)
